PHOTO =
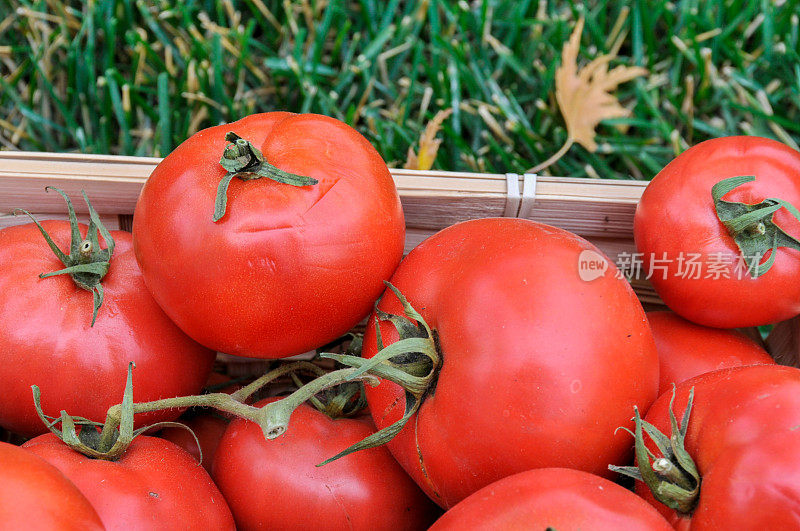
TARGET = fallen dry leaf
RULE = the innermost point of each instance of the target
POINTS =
(428, 144)
(584, 96)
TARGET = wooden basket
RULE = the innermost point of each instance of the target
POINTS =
(599, 210)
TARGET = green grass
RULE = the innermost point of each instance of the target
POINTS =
(120, 76)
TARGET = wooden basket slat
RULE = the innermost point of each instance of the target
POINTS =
(437, 212)
(108, 196)
(431, 199)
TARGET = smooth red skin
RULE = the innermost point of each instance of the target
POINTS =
(277, 485)
(676, 215)
(552, 498)
(753, 487)
(287, 269)
(46, 338)
(686, 349)
(733, 410)
(154, 485)
(539, 367)
(35, 495)
(207, 428)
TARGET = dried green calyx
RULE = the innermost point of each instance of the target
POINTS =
(243, 160)
(345, 400)
(413, 363)
(107, 441)
(751, 226)
(672, 477)
(87, 263)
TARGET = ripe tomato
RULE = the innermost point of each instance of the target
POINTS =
(552, 498)
(752, 487)
(46, 336)
(677, 224)
(539, 367)
(155, 484)
(686, 349)
(34, 492)
(735, 413)
(277, 485)
(287, 268)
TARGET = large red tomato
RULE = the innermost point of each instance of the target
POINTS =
(695, 259)
(287, 268)
(276, 484)
(47, 337)
(539, 367)
(752, 487)
(686, 349)
(35, 495)
(552, 498)
(154, 485)
(743, 471)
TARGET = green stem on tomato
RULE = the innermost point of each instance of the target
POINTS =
(413, 362)
(243, 160)
(117, 431)
(751, 225)
(87, 263)
(274, 417)
(673, 478)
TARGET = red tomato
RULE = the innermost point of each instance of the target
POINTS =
(155, 484)
(686, 349)
(277, 485)
(207, 427)
(539, 367)
(46, 338)
(35, 495)
(734, 414)
(753, 487)
(288, 268)
(676, 223)
(552, 498)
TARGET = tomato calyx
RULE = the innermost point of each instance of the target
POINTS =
(672, 478)
(751, 226)
(345, 400)
(92, 439)
(243, 160)
(87, 263)
(413, 362)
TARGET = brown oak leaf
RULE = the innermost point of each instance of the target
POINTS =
(584, 95)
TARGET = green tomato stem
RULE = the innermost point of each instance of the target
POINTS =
(672, 478)
(752, 226)
(117, 431)
(274, 417)
(86, 262)
(243, 160)
(412, 362)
